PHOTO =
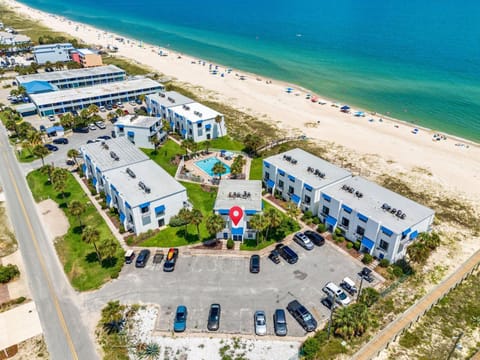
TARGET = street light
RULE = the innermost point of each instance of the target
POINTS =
(331, 314)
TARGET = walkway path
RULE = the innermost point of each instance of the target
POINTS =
(373, 348)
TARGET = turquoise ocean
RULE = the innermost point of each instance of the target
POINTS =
(417, 61)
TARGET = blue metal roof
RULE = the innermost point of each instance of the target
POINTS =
(237, 231)
(368, 243)
(38, 87)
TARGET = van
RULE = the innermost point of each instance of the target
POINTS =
(335, 292)
(129, 256)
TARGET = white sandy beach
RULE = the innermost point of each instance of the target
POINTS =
(454, 163)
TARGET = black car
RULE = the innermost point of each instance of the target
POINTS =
(60, 141)
(280, 323)
(51, 147)
(327, 302)
(315, 237)
(287, 253)
(169, 264)
(274, 256)
(214, 317)
(83, 129)
(142, 258)
(302, 315)
(255, 264)
(138, 101)
(104, 137)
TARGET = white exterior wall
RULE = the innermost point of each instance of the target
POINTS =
(142, 136)
(226, 233)
(189, 129)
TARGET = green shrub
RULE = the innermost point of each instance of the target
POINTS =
(349, 245)
(367, 259)
(338, 231)
(357, 244)
(316, 220)
(8, 273)
(321, 228)
(396, 271)
(176, 221)
(121, 229)
(230, 244)
(339, 239)
(307, 215)
(384, 263)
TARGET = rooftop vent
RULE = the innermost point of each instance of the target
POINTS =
(131, 173)
(114, 156)
(144, 187)
(186, 107)
(239, 195)
(161, 95)
(172, 100)
(104, 145)
(358, 194)
(311, 170)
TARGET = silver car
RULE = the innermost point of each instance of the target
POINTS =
(260, 323)
(302, 240)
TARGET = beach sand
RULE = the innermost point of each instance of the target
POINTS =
(454, 162)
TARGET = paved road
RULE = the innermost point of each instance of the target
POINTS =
(66, 336)
(199, 281)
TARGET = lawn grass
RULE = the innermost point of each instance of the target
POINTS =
(127, 65)
(256, 169)
(78, 258)
(175, 236)
(164, 154)
(23, 155)
(227, 143)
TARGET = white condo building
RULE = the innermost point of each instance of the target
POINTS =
(159, 105)
(247, 194)
(384, 221)
(300, 177)
(144, 194)
(140, 130)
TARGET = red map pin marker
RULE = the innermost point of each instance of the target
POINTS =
(236, 214)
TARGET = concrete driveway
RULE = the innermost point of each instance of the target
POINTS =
(199, 281)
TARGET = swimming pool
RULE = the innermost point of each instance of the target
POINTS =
(207, 165)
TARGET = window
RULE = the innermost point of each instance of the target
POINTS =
(345, 222)
(199, 125)
(146, 220)
(160, 213)
(325, 210)
(383, 245)
(267, 176)
(360, 230)
(307, 199)
(291, 189)
(130, 218)
(145, 210)
(209, 136)
(280, 184)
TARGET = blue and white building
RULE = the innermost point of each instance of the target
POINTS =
(58, 102)
(75, 78)
(12, 39)
(144, 194)
(196, 122)
(247, 194)
(140, 130)
(159, 105)
(52, 53)
(384, 221)
(299, 176)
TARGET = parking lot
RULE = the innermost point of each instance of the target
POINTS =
(199, 281)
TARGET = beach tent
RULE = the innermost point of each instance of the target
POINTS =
(359, 113)
(345, 107)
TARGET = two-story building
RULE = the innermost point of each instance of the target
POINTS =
(52, 53)
(299, 176)
(144, 194)
(384, 221)
(12, 39)
(247, 195)
(159, 104)
(86, 57)
(140, 130)
(196, 122)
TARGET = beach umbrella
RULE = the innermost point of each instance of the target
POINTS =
(345, 107)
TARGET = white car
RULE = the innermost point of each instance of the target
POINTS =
(133, 103)
(119, 104)
(100, 124)
(334, 291)
(260, 323)
(102, 109)
(92, 126)
(302, 240)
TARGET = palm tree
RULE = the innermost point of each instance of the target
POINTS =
(292, 210)
(119, 112)
(59, 180)
(85, 114)
(418, 252)
(196, 218)
(215, 224)
(150, 352)
(351, 321)
(34, 137)
(59, 65)
(111, 115)
(67, 120)
(259, 223)
(73, 154)
(219, 169)
(431, 240)
(93, 109)
(108, 248)
(142, 97)
(274, 220)
(252, 143)
(77, 208)
(41, 151)
(11, 125)
(237, 165)
(185, 215)
(206, 145)
(91, 235)
(155, 141)
(218, 120)
(186, 145)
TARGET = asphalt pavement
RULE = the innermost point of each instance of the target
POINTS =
(66, 335)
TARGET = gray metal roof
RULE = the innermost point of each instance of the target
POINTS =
(93, 92)
(70, 74)
(160, 183)
(101, 153)
(226, 197)
(305, 160)
(53, 46)
(171, 98)
(138, 121)
(372, 199)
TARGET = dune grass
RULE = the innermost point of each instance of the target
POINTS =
(79, 260)
(127, 65)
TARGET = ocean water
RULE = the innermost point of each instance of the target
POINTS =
(418, 61)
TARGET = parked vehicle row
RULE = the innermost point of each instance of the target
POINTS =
(144, 255)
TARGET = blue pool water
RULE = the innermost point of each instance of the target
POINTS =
(207, 165)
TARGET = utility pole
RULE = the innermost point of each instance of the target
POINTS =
(331, 314)
(455, 345)
(360, 287)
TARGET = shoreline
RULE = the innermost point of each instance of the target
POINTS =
(391, 139)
